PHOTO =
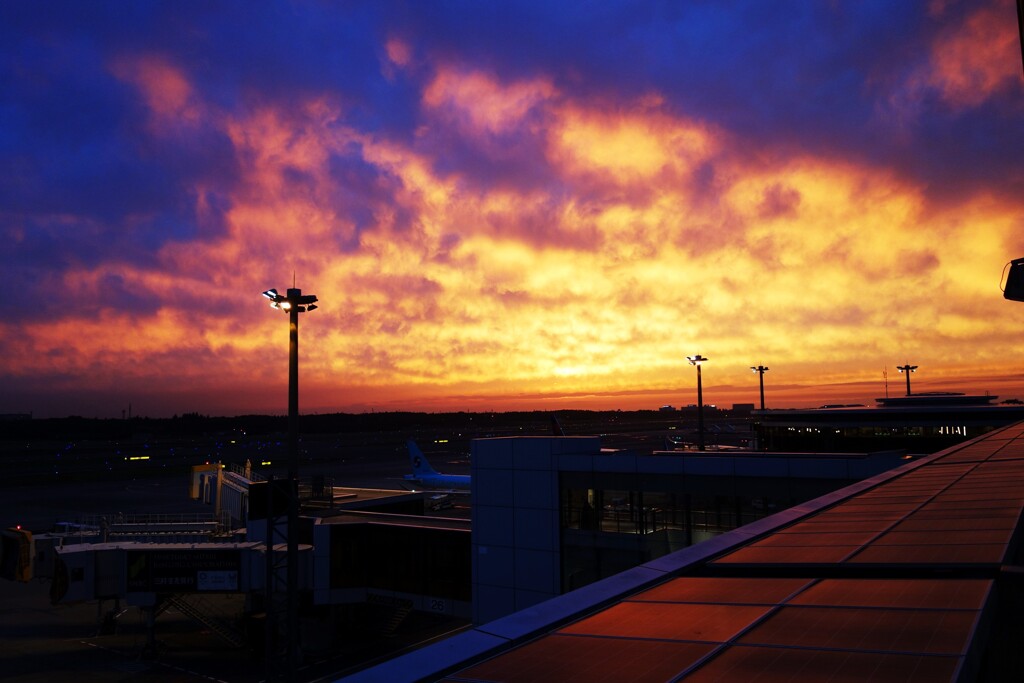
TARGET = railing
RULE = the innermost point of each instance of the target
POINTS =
(243, 471)
(314, 487)
(163, 527)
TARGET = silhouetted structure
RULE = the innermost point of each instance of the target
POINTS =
(293, 303)
(907, 369)
(697, 360)
(760, 370)
(1014, 288)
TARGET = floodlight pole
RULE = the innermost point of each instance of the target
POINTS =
(293, 303)
(293, 492)
(697, 360)
(760, 369)
(907, 369)
(293, 393)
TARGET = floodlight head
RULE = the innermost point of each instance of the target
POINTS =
(293, 302)
(1014, 288)
(311, 307)
(696, 360)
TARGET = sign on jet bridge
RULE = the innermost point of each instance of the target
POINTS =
(183, 570)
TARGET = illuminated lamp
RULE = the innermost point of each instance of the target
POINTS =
(907, 369)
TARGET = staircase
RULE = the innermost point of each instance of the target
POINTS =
(402, 611)
(203, 611)
(399, 610)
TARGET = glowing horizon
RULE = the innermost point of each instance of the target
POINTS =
(490, 227)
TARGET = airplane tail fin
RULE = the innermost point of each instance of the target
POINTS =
(420, 464)
(556, 426)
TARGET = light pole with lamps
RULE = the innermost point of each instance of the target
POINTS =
(907, 369)
(292, 303)
(760, 369)
(697, 360)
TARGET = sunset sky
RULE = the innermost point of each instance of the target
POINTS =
(506, 205)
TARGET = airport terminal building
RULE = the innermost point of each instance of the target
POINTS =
(553, 514)
(912, 574)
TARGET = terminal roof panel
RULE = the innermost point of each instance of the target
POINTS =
(695, 589)
(788, 665)
(714, 623)
(575, 659)
(740, 629)
(872, 629)
(968, 594)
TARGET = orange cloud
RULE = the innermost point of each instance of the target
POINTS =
(164, 88)
(627, 147)
(482, 103)
(977, 58)
(590, 291)
(399, 52)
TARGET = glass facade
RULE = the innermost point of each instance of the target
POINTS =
(606, 528)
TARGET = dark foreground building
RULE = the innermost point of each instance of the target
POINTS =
(914, 574)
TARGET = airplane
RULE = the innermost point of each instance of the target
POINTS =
(426, 476)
